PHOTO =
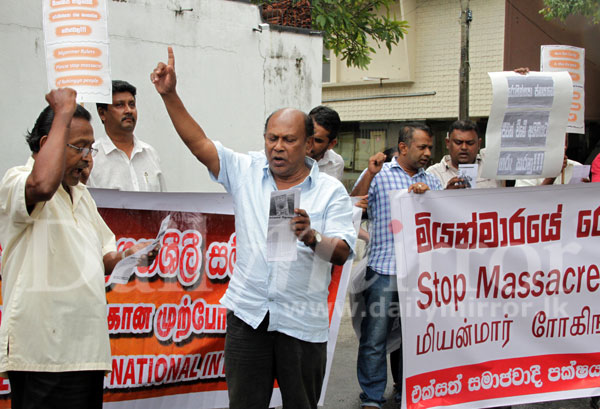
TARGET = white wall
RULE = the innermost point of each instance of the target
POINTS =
(229, 76)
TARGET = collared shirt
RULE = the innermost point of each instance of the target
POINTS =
(444, 171)
(54, 300)
(392, 176)
(295, 292)
(567, 172)
(332, 164)
(114, 170)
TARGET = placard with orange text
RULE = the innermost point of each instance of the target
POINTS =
(572, 60)
(166, 325)
(499, 295)
(77, 52)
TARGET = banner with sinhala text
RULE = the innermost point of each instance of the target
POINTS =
(499, 295)
(166, 325)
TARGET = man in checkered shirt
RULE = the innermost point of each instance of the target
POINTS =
(381, 297)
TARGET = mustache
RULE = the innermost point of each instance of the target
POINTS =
(128, 116)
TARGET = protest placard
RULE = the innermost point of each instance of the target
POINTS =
(77, 52)
(499, 295)
(570, 59)
(526, 129)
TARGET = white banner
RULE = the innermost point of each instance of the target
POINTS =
(526, 129)
(499, 295)
(570, 59)
(76, 41)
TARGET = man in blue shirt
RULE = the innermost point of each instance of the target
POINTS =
(277, 323)
(381, 297)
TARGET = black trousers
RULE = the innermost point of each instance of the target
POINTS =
(56, 390)
(254, 358)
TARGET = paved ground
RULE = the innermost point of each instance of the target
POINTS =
(343, 390)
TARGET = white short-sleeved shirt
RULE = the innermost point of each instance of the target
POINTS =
(114, 170)
(295, 292)
(568, 172)
(332, 164)
(54, 300)
(444, 171)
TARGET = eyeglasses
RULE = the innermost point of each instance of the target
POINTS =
(84, 151)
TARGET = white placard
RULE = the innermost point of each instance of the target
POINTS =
(526, 128)
(571, 59)
(77, 52)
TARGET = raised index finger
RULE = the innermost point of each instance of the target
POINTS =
(171, 57)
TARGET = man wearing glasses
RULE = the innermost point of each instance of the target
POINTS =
(54, 344)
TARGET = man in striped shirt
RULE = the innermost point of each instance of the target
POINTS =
(381, 297)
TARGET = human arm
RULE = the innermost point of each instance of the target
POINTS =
(330, 249)
(375, 164)
(49, 167)
(164, 79)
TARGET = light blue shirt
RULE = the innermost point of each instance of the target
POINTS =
(294, 293)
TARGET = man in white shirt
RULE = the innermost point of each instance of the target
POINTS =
(463, 144)
(123, 161)
(564, 177)
(54, 344)
(327, 124)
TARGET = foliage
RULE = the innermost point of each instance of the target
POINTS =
(347, 26)
(562, 9)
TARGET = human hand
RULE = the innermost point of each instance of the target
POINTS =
(301, 227)
(376, 162)
(418, 188)
(163, 77)
(62, 101)
(522, 70)
(456, 183)
(363, 203)
(148, 258)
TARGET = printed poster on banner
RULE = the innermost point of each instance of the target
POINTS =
(166, 326)
(498, 295)
(526, 128)
(77, 48)
(572, 60)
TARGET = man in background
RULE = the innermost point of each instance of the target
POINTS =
(124, 162)
(463, 144)
(406, 171)
(327, 125)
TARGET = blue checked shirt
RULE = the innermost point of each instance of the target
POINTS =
(382, 257)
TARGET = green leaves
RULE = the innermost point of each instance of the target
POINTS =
(347, 26)
(561, 9)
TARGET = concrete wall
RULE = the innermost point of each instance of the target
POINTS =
(433, 43)
(229, 76)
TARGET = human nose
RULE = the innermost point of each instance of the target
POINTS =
(278, 145)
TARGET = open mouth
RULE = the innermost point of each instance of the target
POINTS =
(277, 161)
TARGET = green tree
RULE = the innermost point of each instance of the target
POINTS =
(347, 25)
(562, 9)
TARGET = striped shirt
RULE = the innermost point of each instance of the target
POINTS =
(382, 258)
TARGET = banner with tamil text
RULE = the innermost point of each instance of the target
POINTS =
(166, 325)
(499, 295)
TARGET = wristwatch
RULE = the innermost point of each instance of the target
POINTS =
(317, 239)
